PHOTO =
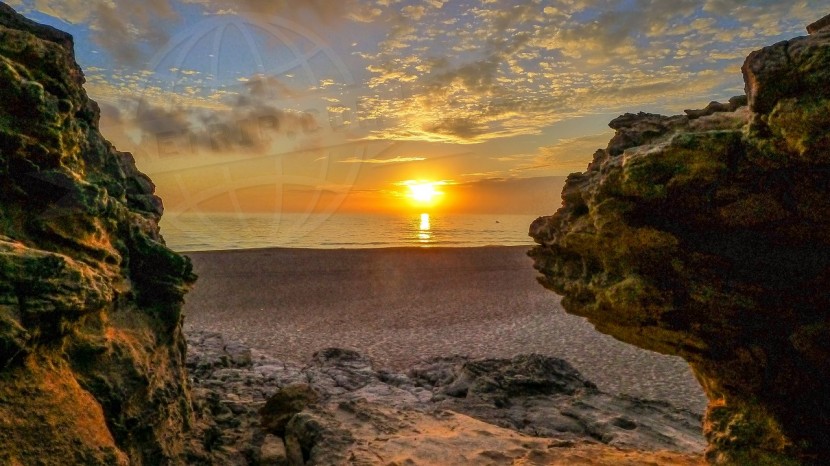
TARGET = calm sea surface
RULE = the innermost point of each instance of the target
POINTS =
(208, 232)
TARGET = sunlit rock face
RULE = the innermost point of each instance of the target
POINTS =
(708, 236)
(91, 349)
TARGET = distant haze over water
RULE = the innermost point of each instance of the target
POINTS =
(209, 232)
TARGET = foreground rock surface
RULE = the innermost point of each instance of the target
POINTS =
(339, 409)
(91, 350)
(708, 236)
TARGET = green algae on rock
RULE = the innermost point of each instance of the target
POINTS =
(708, 236)
(91, 349)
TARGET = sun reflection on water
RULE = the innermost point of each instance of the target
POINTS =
(424, 234)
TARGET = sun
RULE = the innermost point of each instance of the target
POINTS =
(423, 193)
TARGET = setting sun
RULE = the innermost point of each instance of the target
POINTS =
(423, 193)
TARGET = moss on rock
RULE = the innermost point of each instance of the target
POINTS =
(700, 239)
(91, 348)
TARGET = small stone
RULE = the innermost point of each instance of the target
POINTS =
(239, 355)
(294, 451)
(283, 405)
(272, 452)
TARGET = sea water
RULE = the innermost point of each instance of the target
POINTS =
(221, 231)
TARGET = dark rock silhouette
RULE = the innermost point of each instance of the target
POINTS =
(708, 236)
(819, 25)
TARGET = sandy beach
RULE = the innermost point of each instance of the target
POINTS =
(399, 305)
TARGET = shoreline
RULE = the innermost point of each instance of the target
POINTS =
(202, 233)
(399, 305)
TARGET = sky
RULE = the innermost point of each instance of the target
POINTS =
(323, 106)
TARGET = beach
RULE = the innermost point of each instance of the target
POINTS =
(401, 305)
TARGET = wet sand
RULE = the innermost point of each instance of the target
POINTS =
(399, 305)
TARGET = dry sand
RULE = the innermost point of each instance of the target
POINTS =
(399, 305)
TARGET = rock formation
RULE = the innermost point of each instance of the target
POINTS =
(708, 236)
(91, 349)
(340, 409)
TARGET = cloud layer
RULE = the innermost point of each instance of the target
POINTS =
(466, 71)
(420, 75)
(472, 71)
(127, 29)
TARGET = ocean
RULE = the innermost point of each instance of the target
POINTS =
(188, 232)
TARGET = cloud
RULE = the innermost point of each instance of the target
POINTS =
(248, 121)
(533, 195)
(419, 182)
(566, 156)
(320, 12)
(572, 154)
(248, 130)
(414, 12)
(123, 28)
(130, 31)
(464, 128)
(501, 69)
(633, 32)
(71, 11)
(508, 70)
(261, 87)
(397, 159)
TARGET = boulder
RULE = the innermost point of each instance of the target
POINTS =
(272, 452)
(716, 107)
(283, 405)
(637, 129)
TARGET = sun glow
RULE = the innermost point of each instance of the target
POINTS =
(423, 193)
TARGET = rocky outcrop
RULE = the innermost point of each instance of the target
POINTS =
(340, 409)
(91, 350)
(708, 236)
(715, 107)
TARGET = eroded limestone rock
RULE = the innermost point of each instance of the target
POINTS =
(365, 415)
(91, 349)
(710, 239)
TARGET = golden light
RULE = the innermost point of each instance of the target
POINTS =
(424, 223)
(424, 229)
(423, 193)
